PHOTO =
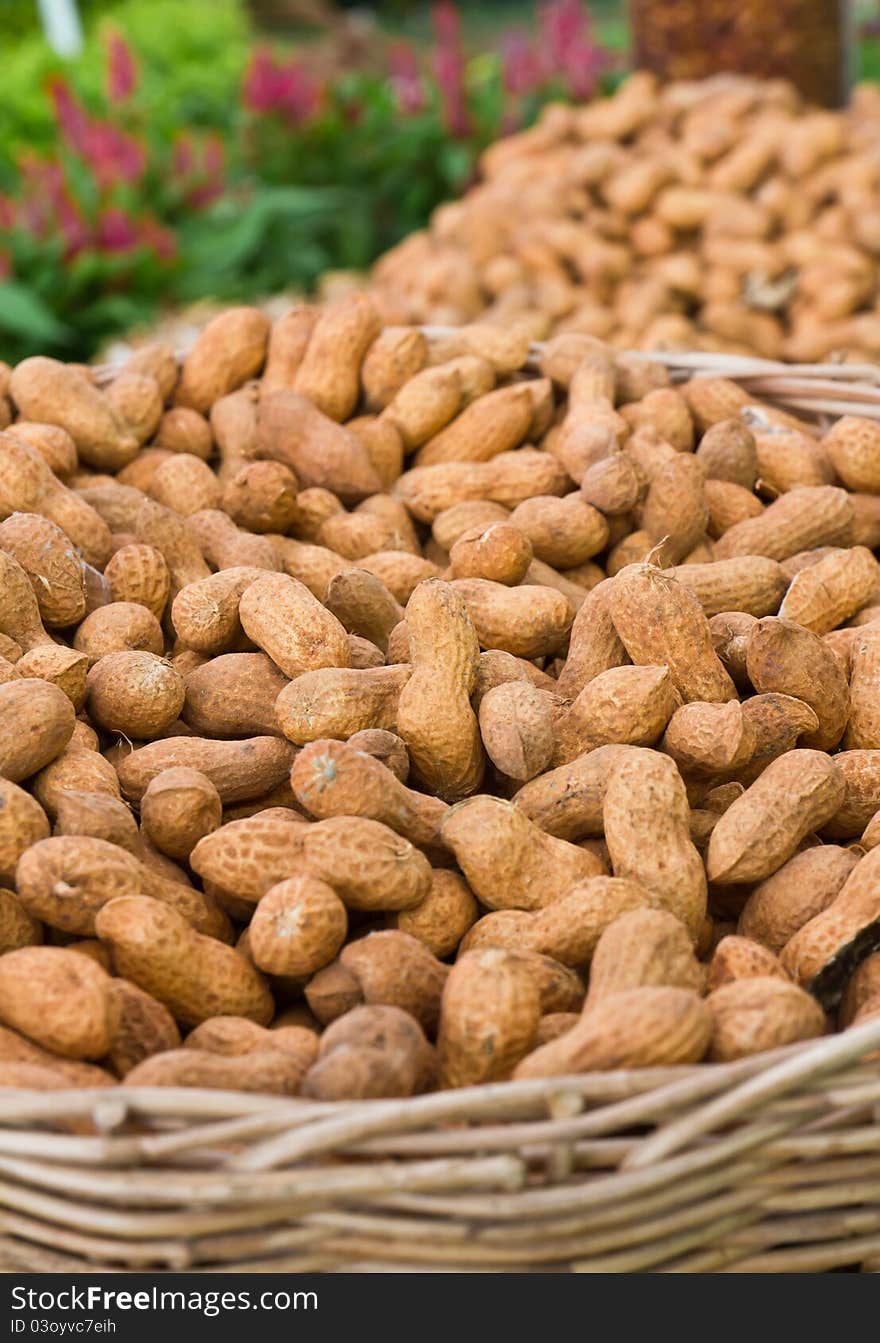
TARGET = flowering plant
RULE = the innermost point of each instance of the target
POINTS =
(127, 204)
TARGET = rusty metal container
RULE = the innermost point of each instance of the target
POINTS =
(806, 41)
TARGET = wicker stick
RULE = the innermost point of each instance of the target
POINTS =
(804, 1067)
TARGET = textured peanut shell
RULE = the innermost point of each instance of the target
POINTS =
(393, 359)
(54, 393)
(239, 770)
(51, 562)
(794, 796)
(594, 644)
(143, 1027)
(385, 968)
(860, 771)
(626, 705)
(826, 594)
(266, 1071)
(795, 893)
(332, 778)
(119, 627)
(22, 823)
(568, 801)
(822, 954)
(528, 621)
(863, 727)
(660, 622)
(233, 695)
(507, 479)
(180, 806)
(293, 430)
(710, 738)
(371, 1052)
(330, 367)
(750, 583)
(285, 620)
(58, 999)
(517, 728)
(17, 1049)
(36, 723)
(136, 694)
(783, 657)
(443, 918)
(195, 977)
(434, 715)
(366, 863)
(298, 927)
(363, 604)
(801, 519)
(737, 957)
(205, 613)
(138, 573)
(338, 702)
(646, 821)
(60, 666)
(230, 349)
(246, 857)
(67, 879)
(752, 1015)
(488, 1019)
(643, 1028)
(643, 947)
(17, 927)
(508, 861)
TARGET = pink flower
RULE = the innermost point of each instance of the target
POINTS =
(289, 89)
(113, 156)
(406, 79)
(8, 212)
(73, 121)
(260, 87)
(122, 74)
(71, 225)
(447, 23)
(449, 68)
(567, 47)
(520, 63)
(116, 231)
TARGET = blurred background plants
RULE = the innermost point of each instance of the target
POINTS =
(185, 153)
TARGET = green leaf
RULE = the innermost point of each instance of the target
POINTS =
(23, 314)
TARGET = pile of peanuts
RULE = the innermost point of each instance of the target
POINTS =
(722, 215)
(382, 712)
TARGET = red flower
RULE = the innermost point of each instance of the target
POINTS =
(260, 87)
(447, 23)
(406, 79)
(289, 89)
(449, 68)
(73, 121)
(520, 63)
(122, 74)
(567, 46)
(116, 230)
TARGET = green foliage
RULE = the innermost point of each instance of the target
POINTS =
(191, 55)
(225, 170)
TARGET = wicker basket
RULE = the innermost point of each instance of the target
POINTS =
(771, 1164)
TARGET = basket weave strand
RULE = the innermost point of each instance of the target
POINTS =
(770, 1163)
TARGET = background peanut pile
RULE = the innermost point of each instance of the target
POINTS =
(381, 713)
(724, 215)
